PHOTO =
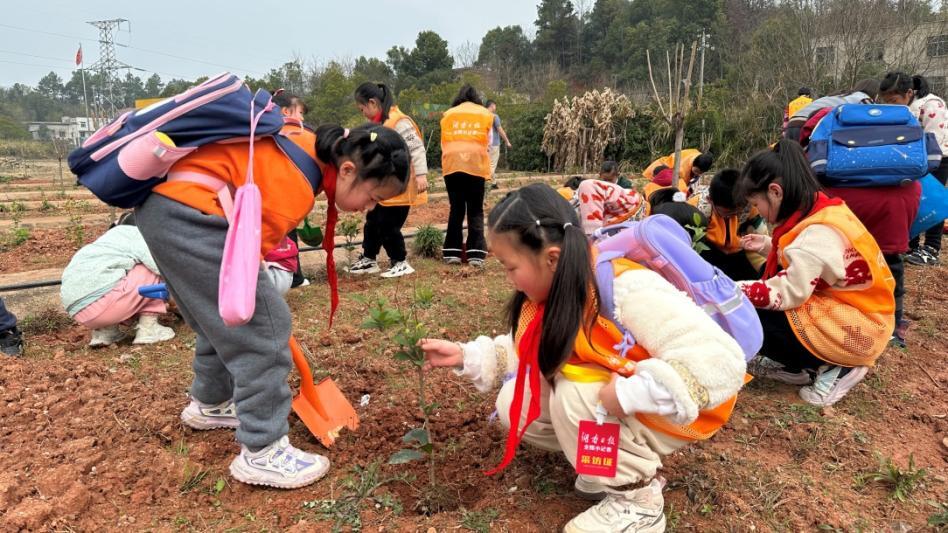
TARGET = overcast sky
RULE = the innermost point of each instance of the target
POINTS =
(187, 39)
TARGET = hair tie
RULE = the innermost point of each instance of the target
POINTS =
(679, 197)
(345, 133)
(568, 224)
(538, 222)
(373, 136)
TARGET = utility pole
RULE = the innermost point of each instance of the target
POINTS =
(704, 44)
(108, 63)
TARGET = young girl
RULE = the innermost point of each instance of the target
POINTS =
(100, 287)
(902, 89)
(383, 224)
(465, 163)
(675, 385)
(240, 372)
(826, 299)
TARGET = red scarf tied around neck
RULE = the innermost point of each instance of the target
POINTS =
(822, 201)
(329, 240)
(529, 352)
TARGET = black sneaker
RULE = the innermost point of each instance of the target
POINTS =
(931, 254)
(11, 342)
(917, 257)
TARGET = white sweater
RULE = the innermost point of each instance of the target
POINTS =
(694, 364)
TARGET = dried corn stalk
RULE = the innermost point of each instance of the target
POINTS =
(578, 130)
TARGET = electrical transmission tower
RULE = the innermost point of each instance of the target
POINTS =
(108, 63)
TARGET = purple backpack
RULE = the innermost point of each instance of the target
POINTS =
(662, 245)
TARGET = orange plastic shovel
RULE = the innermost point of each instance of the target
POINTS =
(322, 407)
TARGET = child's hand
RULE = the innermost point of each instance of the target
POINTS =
(607, 395)
(441, 353)
(756, 243)
(421, 183)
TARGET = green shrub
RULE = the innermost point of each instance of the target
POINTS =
(428, 241)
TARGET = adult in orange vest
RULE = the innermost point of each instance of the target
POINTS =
(675, 385)
(693, 165)
(730, 218)
(240, 373)
(465, 164)
(383, 224)
(803, 99)
(826, 299)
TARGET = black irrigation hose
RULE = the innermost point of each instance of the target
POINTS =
(55, 282)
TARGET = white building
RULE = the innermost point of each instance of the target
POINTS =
(74, 130)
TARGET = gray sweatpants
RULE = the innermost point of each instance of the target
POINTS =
(248, 363)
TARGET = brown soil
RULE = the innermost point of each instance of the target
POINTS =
(93, 441)
(46, 248)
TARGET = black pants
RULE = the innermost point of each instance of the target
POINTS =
(736, 266)
(7, 320)
(934, 233)
(898, 272)
(383, 228)
(782, 345)
(298, 275)
(466, 196)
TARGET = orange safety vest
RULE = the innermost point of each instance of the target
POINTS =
(594, 358)
(411, 196)
(797, 104)
(464, 137)
(688, 157)
(566, 192)
(846, 326)
(724, 233)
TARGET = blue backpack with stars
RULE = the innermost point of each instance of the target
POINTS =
(871, 145)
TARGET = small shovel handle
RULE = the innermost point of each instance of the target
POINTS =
(307, 387)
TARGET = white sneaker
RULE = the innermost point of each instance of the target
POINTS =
(364, 265)
(589, 490)
(279, 465)
(149, 331)
(401, 268)
(452, 260)
(764, 367)
(204, 416)
(106, 336)
(640, 510)
(829, 388)
(477, 263)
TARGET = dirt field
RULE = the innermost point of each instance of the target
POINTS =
(91, 440)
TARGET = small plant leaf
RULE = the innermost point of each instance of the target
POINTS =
(427, 448)
(219, 486)
(419, 435)
(405, 456)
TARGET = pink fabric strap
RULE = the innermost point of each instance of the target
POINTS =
(221, 187)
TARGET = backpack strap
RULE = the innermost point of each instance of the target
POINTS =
(605, 277)
(303, 161)
(224, 194)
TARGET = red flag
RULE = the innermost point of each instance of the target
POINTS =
(79, 56)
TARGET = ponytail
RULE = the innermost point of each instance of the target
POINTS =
(378, 153)
(536, 217)
(787, 166)
(377, 91)
(920, 86)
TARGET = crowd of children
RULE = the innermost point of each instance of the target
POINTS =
(822, 266)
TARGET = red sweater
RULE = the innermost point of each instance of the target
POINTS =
(887, 212)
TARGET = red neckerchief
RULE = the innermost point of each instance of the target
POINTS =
(822, 201)
(529, 352)
(377, 118)
(329, 240)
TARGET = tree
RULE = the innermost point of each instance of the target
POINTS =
(504, 51)
(131, 89)
(373, 69)
(556, 32)
(153, 86)
(332, 101)
(427, 64)
(175, 86)
(51, 86)
(12, 129)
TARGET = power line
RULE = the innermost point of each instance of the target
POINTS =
(36, 56)
(48, 33)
